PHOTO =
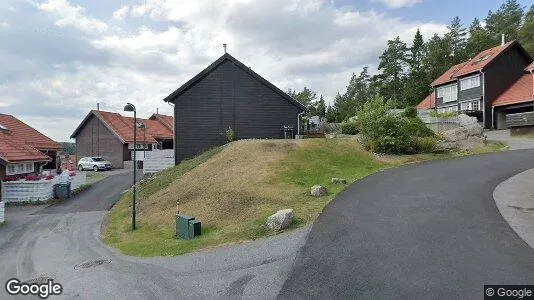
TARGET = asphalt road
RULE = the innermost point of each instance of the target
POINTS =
(62, 242)
(425, 231)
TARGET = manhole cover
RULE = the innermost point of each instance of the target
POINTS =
(39, 280)
(92, 263)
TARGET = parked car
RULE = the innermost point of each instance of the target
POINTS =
(93, 163)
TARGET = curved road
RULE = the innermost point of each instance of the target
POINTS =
(425, 231)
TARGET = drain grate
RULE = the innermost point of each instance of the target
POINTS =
(39, 280)
(92, 263)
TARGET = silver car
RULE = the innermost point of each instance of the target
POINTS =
(93, 163)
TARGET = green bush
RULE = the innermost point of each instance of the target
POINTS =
(426, 144)
(410, 112)
(230, 134)
(416, 127)
(445, 115)
(384, 132)
(350, 128)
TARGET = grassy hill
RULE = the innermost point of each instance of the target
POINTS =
(234, 188)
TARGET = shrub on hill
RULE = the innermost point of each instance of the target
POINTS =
(384, 132)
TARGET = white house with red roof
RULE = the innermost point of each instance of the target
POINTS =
(23, 149)
(496, 82)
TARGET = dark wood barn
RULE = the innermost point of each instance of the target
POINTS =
(228, 94)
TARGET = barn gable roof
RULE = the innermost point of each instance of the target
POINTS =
(217, 63)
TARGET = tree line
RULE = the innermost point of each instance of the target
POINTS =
(405, 73)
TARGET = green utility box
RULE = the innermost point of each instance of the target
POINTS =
(194, 228)
(62, 190)
(187, 227)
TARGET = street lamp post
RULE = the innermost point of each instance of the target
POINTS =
(130, 107)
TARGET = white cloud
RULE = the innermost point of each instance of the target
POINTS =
(398, 3)
(4, 25)
(66, 15)
(292, 43)
(121, 13)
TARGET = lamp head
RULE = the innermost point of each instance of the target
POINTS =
(129, 107)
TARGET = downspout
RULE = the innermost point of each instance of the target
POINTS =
(174, 133)
(298, 122)
(483, 82)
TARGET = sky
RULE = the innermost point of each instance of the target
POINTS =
(60, 57)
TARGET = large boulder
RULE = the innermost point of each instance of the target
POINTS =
(456, 134)
(474, 129)
(280, 220)
(445, 145)
(471, 142)
(318, 191)
(465, 120)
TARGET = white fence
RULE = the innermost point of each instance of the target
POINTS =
(2, 210)
(158, 160)
(33, 191)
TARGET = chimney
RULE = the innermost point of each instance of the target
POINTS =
(502, 39)
(97, 106)
(224, 46)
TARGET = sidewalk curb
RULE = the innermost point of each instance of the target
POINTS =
(514, 198)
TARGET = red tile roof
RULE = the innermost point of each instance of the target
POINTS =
(428, 102)
(448, 76)
(519, 92)
(168, 121)
(25, 133)
(13, 149)
(473, 65)
(123, 127)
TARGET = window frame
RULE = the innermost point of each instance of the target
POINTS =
(20, 168)
(464, 81)
(449, 93)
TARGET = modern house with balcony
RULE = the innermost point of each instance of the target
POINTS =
(474, 86)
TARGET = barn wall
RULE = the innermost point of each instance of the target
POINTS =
(228, 97)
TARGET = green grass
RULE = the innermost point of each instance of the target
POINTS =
(247, 203)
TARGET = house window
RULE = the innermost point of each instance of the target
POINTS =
(470, 82)
(470, 105)
(11, 169)
(448, 93)
(14, 169)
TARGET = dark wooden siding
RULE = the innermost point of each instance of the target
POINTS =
(95, 139)
(500, 74)
(228, 97)
(473, 93)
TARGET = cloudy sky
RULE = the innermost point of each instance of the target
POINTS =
(60, 57)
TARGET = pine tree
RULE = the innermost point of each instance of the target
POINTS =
(321, 107)
(417, 52)
(457, 36)
(506, 20)
(479, 39)
(417, 84)
(526, 33)
(438, 57)
(392, 64)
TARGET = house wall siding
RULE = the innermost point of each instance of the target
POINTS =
(95, 139)
(473, 93)
(228, 97)
(499, 75)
